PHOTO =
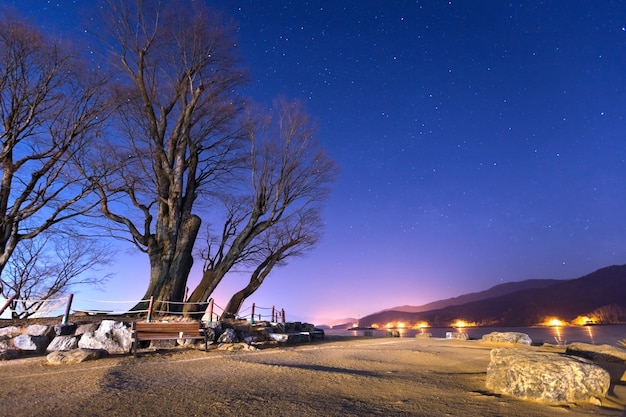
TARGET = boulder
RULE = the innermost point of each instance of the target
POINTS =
(606, 353)
(63, 343)
(210, 333)
(75, 356)
(163, 344)
(9, 331)
(85, 328)
(40, 330)
(457, 335)
(114, 337)
(610, 358)
(507, 337)
(234, 347)
(31, 343)
(64, 329)
(229, 336)
(546, 377)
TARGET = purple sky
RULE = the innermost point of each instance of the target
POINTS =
(478, 142)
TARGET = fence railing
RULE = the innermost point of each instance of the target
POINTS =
(53, 307)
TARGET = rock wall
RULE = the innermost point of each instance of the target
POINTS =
(96, 339)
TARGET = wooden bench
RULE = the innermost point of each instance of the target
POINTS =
(142, 330)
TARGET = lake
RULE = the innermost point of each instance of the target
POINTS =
(596, 335)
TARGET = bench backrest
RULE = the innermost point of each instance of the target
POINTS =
(172, 328)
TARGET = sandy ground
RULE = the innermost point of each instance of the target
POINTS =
(339, 377)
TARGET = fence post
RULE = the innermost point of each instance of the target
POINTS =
(252, 315)
(273, 314)
(67, 309)
(283, 311)
(8, 303)
(149, 317)
(210, 310)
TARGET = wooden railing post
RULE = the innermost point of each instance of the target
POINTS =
(149, 316)
(273, 314)
(67, 309)
(8, 303)
(252, 315)
(210, 310)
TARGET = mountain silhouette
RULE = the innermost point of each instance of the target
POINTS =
(600, 295)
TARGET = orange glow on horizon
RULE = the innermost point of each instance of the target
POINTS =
(584, 320)
(554, 322)
(460, 323)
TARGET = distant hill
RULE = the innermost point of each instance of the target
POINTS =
(602, 292)
(336, 323)
(498, 290)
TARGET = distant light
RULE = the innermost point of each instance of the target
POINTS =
(555, 322)
(460, 323)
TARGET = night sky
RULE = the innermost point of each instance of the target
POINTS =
(479, 142)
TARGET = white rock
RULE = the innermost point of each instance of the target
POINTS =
(63, 343)
(114, 337)
(10, 331)
(546, 377)
(31, 343)
(508, 337)
(39, 330)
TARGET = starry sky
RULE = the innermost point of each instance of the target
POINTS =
(479, 142)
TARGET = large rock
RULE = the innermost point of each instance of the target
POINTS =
(65, 329)
(610, 358)
(31, 343)
(9, 331)
(75, 356)
(457, 335)
(546, 377)
(229, 336)
(85, 328)
(63, 343)
(606, 353)
(40, 330)
(114, 337)
(507, 337)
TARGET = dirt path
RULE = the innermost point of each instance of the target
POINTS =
(356, 377)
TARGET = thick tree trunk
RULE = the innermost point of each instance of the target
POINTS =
(235, 302)
(168, 277)
(210, 279)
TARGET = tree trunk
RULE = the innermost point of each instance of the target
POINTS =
(234, 305)
(210, 279)
(257, 278)
(168, 277)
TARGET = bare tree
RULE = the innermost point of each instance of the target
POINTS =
(290, 176)
(51, 109)
(179, 130)
(292, 237)
(47, 267)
